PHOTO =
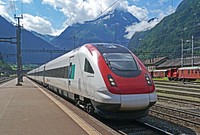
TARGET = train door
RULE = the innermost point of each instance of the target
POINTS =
(71, 73)
(88, 77)
(44, 75)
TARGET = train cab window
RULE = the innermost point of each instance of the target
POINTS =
(122, 64)
(88, 67)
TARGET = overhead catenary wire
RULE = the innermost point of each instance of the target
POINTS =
(85, 26)
(102, 12)
(70, 18)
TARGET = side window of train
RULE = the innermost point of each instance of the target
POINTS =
(88, 67)
(65, 72)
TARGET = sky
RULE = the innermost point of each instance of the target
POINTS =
(51, 17)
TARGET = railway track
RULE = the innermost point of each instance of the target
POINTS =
(176, 92)
(179, 116)
(178, 89)
(179, 83)
(135, 128)
(5, 79)
(179, 101)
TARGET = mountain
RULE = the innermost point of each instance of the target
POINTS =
(46, 38)
(107, 28)
(29, 42)
(165, 38)
(1, 57)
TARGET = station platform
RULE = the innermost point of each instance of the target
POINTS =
(27, 110)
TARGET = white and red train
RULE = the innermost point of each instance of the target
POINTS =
(104, 78)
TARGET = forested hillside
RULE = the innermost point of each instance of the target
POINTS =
(165, 38)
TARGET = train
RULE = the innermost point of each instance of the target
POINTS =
(103, 78)
(178, 74)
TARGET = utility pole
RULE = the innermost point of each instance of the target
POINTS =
(192, 51)
(115, 36)
(181, 52)
(19, 54)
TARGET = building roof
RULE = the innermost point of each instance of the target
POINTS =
(177, 63)
(155, 61)
(185, 68)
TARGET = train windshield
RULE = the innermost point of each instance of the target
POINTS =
(122, 64)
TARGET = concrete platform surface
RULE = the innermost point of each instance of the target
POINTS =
(26, 110)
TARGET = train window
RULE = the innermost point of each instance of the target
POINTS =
(120, 61)
(65, 72)
(191, 71)
(188, 71)
(88, 67)
(195, 71)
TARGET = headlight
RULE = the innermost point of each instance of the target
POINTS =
(112, 81)
(149, 82)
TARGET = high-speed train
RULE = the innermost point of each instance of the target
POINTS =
(104, 78)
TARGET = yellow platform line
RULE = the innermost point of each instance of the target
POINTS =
(84, 125)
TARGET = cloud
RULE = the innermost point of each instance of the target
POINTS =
(84, 10)
(38, 24)
(143, 16)
(78, 11)
(142, 26)
(4, 12)
(162, 13)
(1, 2)
(27, 1)
(140, 13)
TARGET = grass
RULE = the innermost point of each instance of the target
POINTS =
(198, 80)
(161, 79)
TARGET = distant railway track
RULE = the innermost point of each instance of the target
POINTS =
(178, 84)
(179, 101)
(176, 92)
(178, 89)
(179, 116)
(5, 79)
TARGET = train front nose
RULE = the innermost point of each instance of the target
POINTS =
(137, 101)
(134, 102)
(135, 93)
